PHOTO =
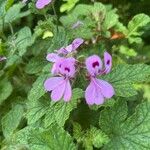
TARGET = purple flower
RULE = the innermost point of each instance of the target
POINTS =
(60, 85)
(57, 60)
(2, 58)
(40, 4)
(98, 90)
(72, 47)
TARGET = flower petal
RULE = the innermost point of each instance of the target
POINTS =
(52, 57)
(69, 48)
(90, 93)
(52, 83)
(107, 62)
(58, 92)
(67, 67)
(106, 88)
(99, 98)
(68, 91)
(94, 65)
(76, 43)
(42, 3)
(62, 50)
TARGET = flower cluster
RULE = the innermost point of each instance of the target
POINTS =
(64, 70)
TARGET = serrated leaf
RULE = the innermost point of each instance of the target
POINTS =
(11, 120)
(111, 19)
(60, 111)
(122, 78)
(131, 133)
(12, 60)
(15, 13)
(118, 114)
(89, 138)
(5, 90)
(134, 25)
(35, 66)
(24, 39)
(59, 40)
(37, 89)
(54, 138)
(36, 110)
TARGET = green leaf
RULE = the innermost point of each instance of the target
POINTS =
(54, 138)
(5, 90)
(127, 133)
(113, 116)
(37, 89)
(24, 39)
(89, 138)
(15, 13)
(35, 65)
(12, 60)
(122, 78)
(36, 110)
(60, 111)
(68, 5)
(59, 40)
(111, 19)
(127, 51)
(138, 22)
(11, 120)
(9, 3)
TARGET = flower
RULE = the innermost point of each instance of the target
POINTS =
(98, 90)
(57, 59)
(72, 47)
(60, 85)
(40, 4)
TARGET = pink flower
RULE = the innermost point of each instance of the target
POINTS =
(60, 85)
(72, 47)
(40, 4)
(98, 90)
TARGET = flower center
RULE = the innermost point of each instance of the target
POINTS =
(67, 69)
(108, 62)
(95, 64)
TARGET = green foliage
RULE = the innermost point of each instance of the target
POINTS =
(29, 119)
(37, 90)
(123, 77)
(12, 14)
(127, 133)
(92, 137)
(11, 120)
(134, 26)
(68, 5)
(52, 138)
(61, 111)
(5, 90)
(23, 40)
